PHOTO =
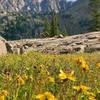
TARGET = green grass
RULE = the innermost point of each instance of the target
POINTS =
(35, 68)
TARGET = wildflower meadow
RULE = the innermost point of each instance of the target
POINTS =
(37, 76)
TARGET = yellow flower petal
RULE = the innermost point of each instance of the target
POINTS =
(2, 97)
(62, 76)
(98, 65)
(40, 97)
(51, 79)
(49, 96)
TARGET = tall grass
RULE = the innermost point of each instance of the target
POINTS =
(28, 76)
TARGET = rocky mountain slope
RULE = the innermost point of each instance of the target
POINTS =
(33, 5)
(74, 17)
(88, 42)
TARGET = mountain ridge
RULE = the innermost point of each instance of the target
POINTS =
(33, 5)
(74, 18)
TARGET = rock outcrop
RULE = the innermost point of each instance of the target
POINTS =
(88, 42)
(3, 49)
(34, 5)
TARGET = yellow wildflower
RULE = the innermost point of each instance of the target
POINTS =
(49, 96)
(81, 88)
(90, 94)
(2, 97)
(71, 76)
(92, 98)
(98, 91)
(46, 96)
(51, 79)
(64, 76)
(98, 65)
(20, 80)
(85, 66)
(80, 60)
(85, 90)
(40, 97)
(3, 94)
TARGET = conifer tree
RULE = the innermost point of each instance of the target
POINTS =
(51, 28)
(94, 6)
(46, 28)
(54, 28)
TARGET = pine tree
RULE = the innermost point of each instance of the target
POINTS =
(54, 28)
(19, 26)
(51, 28)
(94, 6)
(46, 28)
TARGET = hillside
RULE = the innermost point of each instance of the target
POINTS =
(73, 17)
(78, 17)
(40, 6)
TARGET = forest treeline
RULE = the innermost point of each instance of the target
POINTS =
(19, 25)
